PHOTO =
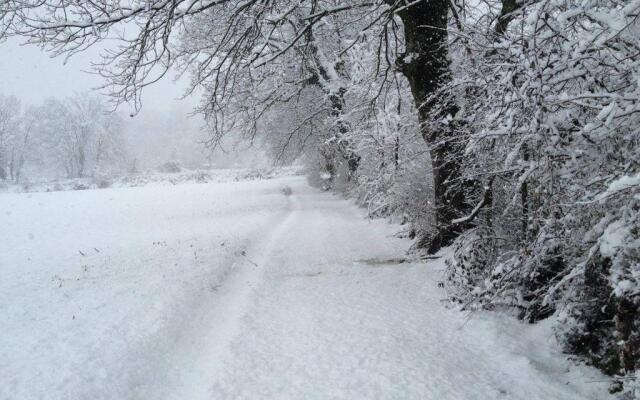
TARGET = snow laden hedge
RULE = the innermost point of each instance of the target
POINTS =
(551, 114)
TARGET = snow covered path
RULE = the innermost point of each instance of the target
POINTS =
(236, 291)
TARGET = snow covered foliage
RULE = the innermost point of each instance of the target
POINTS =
(551, 110)
(469, 275)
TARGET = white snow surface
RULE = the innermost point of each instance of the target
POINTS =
(237, 291)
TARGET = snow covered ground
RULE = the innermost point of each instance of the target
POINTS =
(149, 178)
(237, 291)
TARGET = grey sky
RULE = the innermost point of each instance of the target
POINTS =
(161, 127)
(32, 75)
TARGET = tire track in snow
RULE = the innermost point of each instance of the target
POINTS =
(199, 353)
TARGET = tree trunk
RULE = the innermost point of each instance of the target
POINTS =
(12, 167)
(81, 162)
(337, 110)
(321, 77)
(396, 153)
(524, 198)
(3, 173)
(425, 64)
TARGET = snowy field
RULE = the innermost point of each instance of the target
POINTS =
(237, 291)
(149, 178)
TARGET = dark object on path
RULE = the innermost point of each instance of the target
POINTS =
(286, 190)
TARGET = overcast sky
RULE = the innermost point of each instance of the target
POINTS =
(162, 125)
(32, 75)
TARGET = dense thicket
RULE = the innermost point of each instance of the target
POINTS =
(508, 129)
(550, 113)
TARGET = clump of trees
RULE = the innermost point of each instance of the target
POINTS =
(75, 137)
(506, 128)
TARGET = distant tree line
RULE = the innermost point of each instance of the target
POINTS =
(75, 137)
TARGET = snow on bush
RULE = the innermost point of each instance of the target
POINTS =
(551, 110)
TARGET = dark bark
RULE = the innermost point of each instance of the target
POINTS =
(425, 64)
(396, 153)
(506, 15)
(608, 333)
(524, 198)
(626, 315)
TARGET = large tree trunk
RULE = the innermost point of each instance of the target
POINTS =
(426, 66)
